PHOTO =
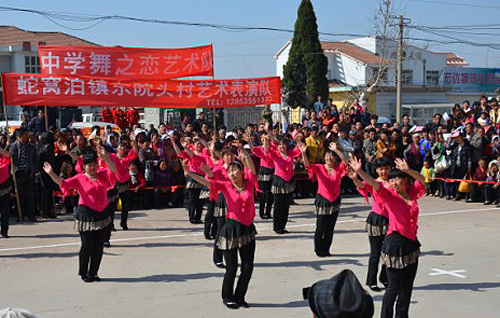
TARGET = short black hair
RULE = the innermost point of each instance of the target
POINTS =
(396, 173)
(382, 162)
(89, 158)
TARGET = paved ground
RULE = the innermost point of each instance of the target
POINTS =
(162, 268)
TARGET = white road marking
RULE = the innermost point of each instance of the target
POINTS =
(200, 234)
(437, 271)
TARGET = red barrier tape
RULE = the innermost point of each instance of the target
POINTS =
(73, 192)
(468, 180)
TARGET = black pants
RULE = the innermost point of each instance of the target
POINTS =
(107, 231)
(247, 254)
(47, 200)
(126, 198)
(490, 193)
(375, 249)
(323, 237)
(91, 252)
(210, 229)
(281, 210)
(5, 213)
(265, 200)
(26, 188)
(194, 205)
(400, 287)
(217, 256)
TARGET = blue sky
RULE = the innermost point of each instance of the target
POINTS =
(250, 53)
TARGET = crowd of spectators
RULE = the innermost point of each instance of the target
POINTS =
(461, 144)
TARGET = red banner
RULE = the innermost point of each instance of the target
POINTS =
(125, 63)
(41, 90)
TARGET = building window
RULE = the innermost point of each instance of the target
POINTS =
(383, 76)
(407, 77)
(32, 64)
(432, 77)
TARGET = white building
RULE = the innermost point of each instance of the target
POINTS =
(354, 63)
(19, 54)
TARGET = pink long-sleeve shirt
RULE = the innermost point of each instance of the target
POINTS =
(283, 167)
(265, 158)
(328, 184)
(377, 202)
(403, 217)
(240, 205)
(93, 193)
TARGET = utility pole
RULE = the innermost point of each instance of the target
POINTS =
(399, 79)
(401, 56)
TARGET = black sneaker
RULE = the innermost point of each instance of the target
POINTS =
(242, 303)
(231, 304)
(220, 265)
(107, 244)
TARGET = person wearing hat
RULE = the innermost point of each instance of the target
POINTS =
(92, 214)
(401, 248)
(327, 201)
(237, 235)
(16, 313)
(339, 296)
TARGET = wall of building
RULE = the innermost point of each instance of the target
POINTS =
(386, 101)
(281, 61)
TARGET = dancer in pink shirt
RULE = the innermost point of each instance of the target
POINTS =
(329, 176)
(377, 221)
(401, 248)
(283, 183)
(92, 215)
(238, 233)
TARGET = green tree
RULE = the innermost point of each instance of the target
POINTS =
(304, 74)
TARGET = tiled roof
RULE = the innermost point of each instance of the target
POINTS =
(455, 60)
(352, 51)
(10, 35)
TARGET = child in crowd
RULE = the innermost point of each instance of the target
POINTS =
(491, 189)
(428, 172)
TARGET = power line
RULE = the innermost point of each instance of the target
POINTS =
(73, 17)
(458, 4)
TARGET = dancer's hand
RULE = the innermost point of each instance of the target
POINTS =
(333, 147)
(356, 164)
(402, 165)
(47, 168)
(351, 173)
(302, 147)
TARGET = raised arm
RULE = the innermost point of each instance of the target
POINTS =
(303, 149)
(403, 166)
(333, 147)
(354, 177)
(245, 158)
(194, 176)
(48, 170)
(101, 152)
(357, 166)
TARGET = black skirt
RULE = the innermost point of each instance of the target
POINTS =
(325, 207)
(235, 235)
(281, 186)
(112, 195)
(87, 219)
(220, 206)
(399, 251)
(6, 187)
(265, 174)
(376, 224)
(193, 184)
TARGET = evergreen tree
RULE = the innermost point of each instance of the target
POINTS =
(304, 74)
